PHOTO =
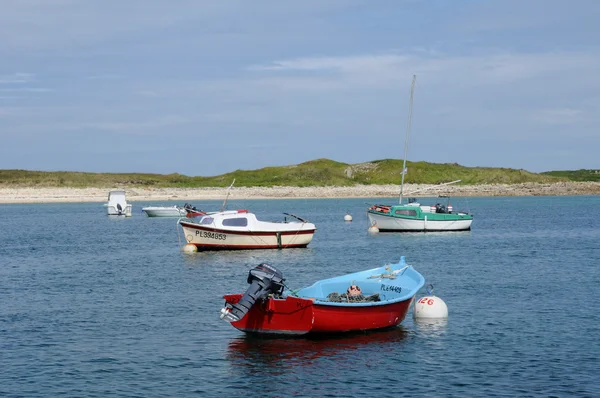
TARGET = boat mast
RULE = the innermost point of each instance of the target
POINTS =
(412, 92)
(227, 196)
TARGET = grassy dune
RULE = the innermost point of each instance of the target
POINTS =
(576, 175)
(320, 172)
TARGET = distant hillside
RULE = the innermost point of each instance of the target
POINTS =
(576, 175)
(320, 172)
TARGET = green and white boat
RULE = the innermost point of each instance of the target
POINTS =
(412, 216)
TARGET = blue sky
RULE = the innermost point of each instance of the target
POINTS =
(207, 87)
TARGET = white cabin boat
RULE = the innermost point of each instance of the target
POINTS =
(239, 229)
(117, 205)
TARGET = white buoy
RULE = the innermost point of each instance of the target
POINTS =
(190, 248)
(373, 229)
(347, 217)
(430, 306)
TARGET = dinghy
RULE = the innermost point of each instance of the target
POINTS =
(377, 298)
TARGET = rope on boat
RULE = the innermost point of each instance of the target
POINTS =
(429, 289)
(258, 239)
(292, 291)
(468, 205)
(346, 298)
(390, 275)
(178, 235)
(278, 235)
(298, 231)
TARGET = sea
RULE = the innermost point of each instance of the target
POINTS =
(99, 306)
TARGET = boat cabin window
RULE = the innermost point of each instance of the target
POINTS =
(406, 212)
(235, 222)
(206, 220)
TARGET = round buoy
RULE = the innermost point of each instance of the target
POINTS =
(373, 229)
(347, 217)
(190, 248)
(430, 307)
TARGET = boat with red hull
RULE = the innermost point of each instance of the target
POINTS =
(373, 299)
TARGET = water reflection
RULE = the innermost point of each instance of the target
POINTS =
(294, 263)
(113, 217)
(431, 327)
(252, 256)
(254, 352)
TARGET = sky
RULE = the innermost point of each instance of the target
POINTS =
(203, 88)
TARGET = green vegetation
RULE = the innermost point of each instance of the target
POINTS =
(320, 172)
(576, 175)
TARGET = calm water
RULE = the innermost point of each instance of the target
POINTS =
(92, 306)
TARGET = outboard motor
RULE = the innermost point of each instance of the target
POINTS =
(119, 208)
(263, 280)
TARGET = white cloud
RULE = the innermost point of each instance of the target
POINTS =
(472, 93)
(25, 90)
(27, 25)
(558, 116)
(483, 68)
(477, 92)
(524, 16)
(135, 127)
(9, 111)
(17, 78)
(342, 64)
(105, 77)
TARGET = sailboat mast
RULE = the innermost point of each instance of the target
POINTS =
(412, 92)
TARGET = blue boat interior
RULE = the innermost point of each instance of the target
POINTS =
(393, 283)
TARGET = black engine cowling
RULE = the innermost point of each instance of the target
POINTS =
(264, 280)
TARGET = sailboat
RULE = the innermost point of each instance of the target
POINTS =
(412, 216)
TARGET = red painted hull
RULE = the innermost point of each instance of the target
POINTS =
(208, 247)
(298, 316)
(194, 213)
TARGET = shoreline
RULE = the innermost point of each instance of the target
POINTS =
(77, 195)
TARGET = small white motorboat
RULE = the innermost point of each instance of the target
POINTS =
(164, 211)
(173, 211)
(117, 204)
(239, 229)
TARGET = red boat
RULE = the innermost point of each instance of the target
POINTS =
(373, 299)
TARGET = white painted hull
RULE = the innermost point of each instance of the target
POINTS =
(159, 211)
(388, 223)
(116, 201)
(206, 238)
(113, 211)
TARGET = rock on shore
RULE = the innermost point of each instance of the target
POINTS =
(50, 195)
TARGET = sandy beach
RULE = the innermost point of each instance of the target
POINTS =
(57, 195)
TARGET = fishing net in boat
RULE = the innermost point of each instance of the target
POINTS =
(346, 298)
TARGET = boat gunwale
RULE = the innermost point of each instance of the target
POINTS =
(356, 277)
